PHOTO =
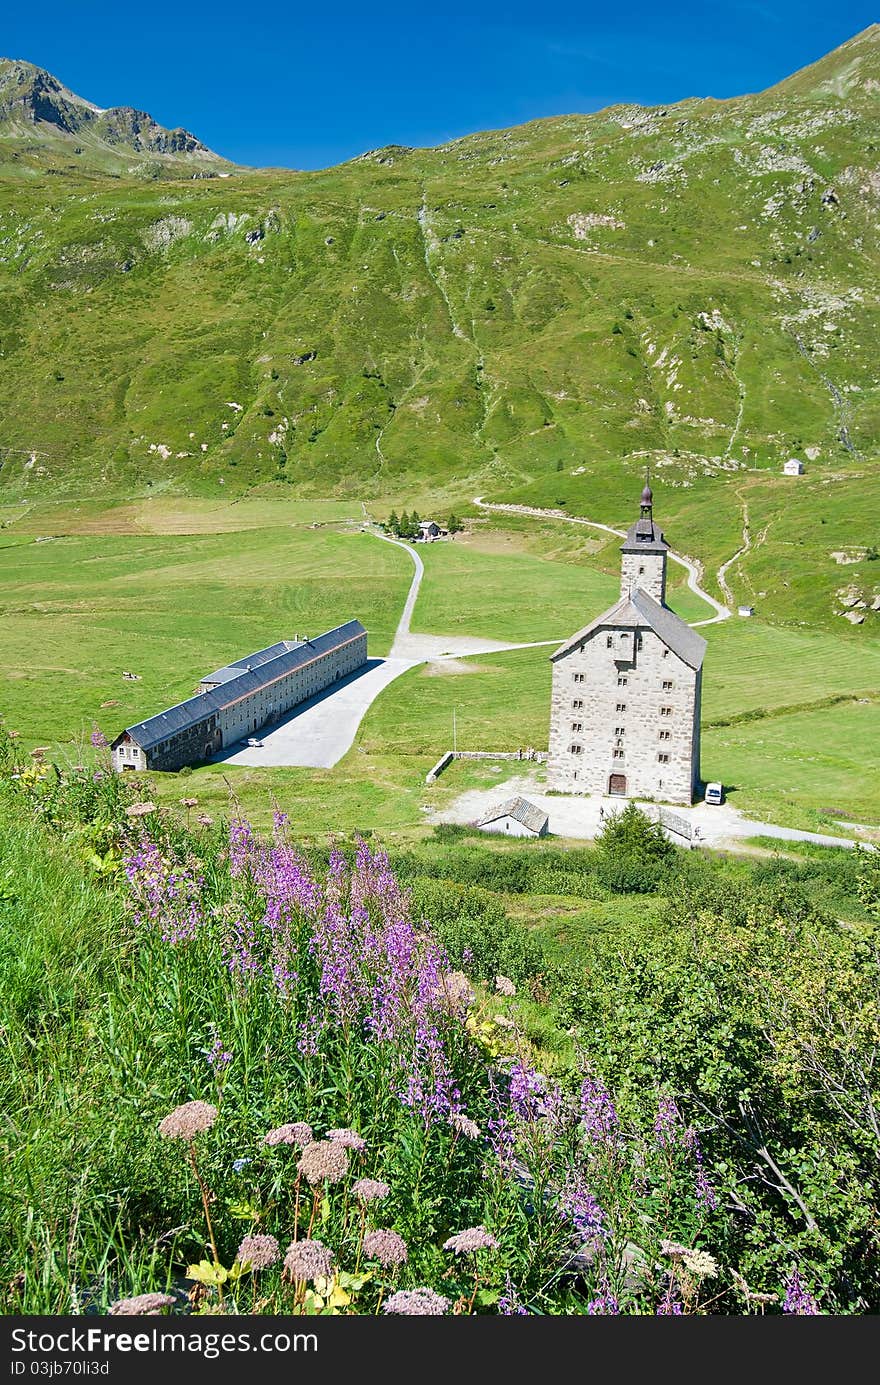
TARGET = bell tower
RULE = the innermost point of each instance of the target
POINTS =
(644, 553)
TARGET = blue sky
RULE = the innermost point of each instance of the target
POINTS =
(307, 85)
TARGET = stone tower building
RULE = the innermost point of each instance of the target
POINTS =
(625, 712)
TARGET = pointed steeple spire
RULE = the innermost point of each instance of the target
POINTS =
(647, 501)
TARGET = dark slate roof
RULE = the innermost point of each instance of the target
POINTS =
(150, 732)
(521, 810)
(262, 656)
(641, 609)
(644, 537)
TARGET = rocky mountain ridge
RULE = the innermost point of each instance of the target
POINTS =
(40, 116)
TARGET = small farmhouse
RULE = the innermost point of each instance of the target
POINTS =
(793, 467)
(516, 817)
(239, 699)
(745, 610)
(429, 531)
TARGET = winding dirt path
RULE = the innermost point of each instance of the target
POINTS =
(691, 565)
(740, 553)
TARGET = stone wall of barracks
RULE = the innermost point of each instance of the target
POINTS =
(591, 675)
(271, 702)
(187, 747)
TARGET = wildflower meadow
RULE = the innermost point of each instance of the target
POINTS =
(245, 1077)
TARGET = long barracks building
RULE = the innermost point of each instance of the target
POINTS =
(240, 699)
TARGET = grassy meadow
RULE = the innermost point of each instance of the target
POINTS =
(170, 588)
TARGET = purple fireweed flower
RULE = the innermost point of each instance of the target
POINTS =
(605, 1305)
(670, 1132)
(707, 1198)
(309, 1032)
(509, 1304)
(597, 1111)
(241, 846)
(798, 1299)
(667, 1123)
(97, 738)
(580, 1207)
(669, 1308)
(532, 1096)
(527, 1089)
(168, 896)
(219, 1057)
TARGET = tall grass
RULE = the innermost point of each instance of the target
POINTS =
(229, 971)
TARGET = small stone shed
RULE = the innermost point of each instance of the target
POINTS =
(515, 817)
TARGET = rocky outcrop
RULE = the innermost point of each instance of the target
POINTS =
(31, 96)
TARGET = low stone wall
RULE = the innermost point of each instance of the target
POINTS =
(440, 766)
(446, 760)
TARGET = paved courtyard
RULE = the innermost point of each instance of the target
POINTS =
(576, 817)
(319, 732)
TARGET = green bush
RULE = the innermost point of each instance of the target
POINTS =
(632, 853)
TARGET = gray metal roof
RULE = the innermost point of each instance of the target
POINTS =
(158, 728)
(644, 537)
(521, 810)
(262, 656)
(641, 609)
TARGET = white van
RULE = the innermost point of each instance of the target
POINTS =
(714, 793)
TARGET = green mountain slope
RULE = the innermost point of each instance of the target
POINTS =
(530, 314)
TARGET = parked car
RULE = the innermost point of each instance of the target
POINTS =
(714, 793)
(255, 743)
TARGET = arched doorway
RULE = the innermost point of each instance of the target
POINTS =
(617, 784)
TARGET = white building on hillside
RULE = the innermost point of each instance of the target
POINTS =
(625, 713)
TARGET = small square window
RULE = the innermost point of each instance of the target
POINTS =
(617, 753)
(609, 641)
(667, 686)
(577, 705)
(621, 680)
(665, 735)
(577, 726)
(664, 759)
(576, 749)
(666, 654)
(666, 711)
(621, 707)
(618, 731)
